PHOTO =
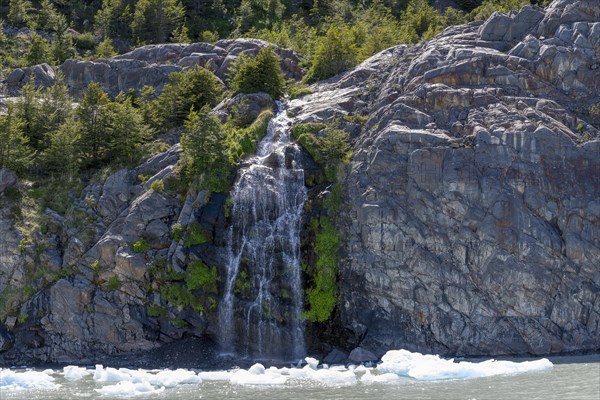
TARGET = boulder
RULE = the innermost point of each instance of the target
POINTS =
(244, 107)
(8, 178)
(360, 355)
(335, 357)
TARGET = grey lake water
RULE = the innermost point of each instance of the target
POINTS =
(403, 376)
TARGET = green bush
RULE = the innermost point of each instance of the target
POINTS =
(335, 53)
(156, 311)
(140, 246)
(113, 284)
(195, 235)
(187, 90)
(199, 276)
(177, 231)
(157, 186)
(258, 74)
(243, 141)
(177, 295)
(84, 41)
(328, 150)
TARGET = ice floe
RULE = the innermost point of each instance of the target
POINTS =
(15, 380)
(430, 367)
(396, 366)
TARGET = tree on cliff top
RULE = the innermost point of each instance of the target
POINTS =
(260, 74)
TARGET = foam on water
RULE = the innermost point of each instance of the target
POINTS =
(430, 367)
(16, 380)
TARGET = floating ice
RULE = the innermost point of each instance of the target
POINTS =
(166, 378)
(127, 389)
(215, 375)
(74, 373)
(312, 362)
(257, 376)
(13, 380)
(368, 378)
(431, 367)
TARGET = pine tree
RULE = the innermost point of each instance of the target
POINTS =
(105, 49)
(56, 105)
(47, 16)
(15, 154)
(203, 141)
(260, 74)
(154, 20)
(335, 53)
(126, 130)
(62, 46)
(113, 20)
(62, 155)
(39, 51)
(27, 109)
(92, 116)
(187, 90)
(19, 12)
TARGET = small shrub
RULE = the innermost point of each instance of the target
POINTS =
(12, 193)
(22, 318)
(113, 283)
(195, 235)
(297, 90)
(177, 295)
(157, 186)
(177, 231)
(199, 276)
(156, 311)
(140, 246)
(22, 244)
(84, 41)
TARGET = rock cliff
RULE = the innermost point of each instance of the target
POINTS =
(473, 196)
(471, 218)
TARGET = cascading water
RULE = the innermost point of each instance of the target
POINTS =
(260, 313)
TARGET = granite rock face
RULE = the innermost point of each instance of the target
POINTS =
(473, 195)
(151, 65)
(471, 222)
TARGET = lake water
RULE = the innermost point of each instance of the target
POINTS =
(402, 375)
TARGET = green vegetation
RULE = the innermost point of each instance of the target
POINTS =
(140, 246)
(195, 235)
(113, 283)
(328, 150)
(258, 74)
(189, 90)
(329, 147)
(242, 141)
(22, 318)
(199, 276)
(156, 311)
(334, 34)
(157, 186)
(322, 296)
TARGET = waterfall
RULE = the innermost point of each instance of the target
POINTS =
(260, 312)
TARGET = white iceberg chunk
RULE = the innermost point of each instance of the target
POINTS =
(432, 367)
(14, 380)
(128, 389)
(74, 373)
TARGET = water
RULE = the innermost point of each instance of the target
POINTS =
(260, 312)
(572, 378)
